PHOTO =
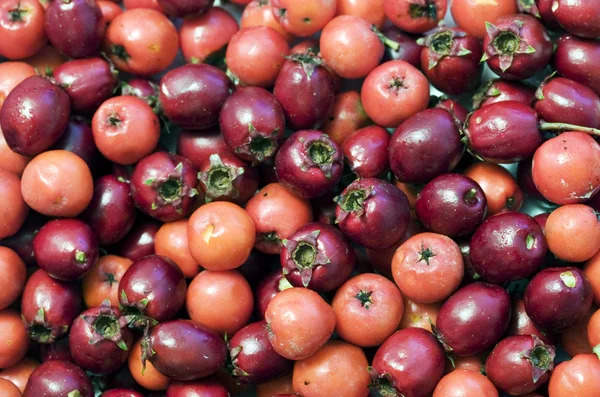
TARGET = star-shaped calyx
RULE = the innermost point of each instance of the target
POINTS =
(383, 383)
(488, 90)
(171, 189)
(133, 313)
(541, 357)
(260, 145)
(41, 331)
(106, 325)
(353, 202)
(309, 61)
(320, 154)
(505, 43)
(442, 43)
(219, 179)
(529, 7)
(304, 255)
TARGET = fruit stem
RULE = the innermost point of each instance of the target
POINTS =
(570, 127)
(80, 256)
(394, 45)
(470, 197)
(597, 350)
(365, 298)
(529, 240)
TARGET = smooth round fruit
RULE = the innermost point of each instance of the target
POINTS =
(472, 15)
(9, 389)
(502, 191)
(57, 378)
(366, 151)
(13, 74)
(13, 205)
(573, 232)
(368, 309)
(347, 116)
(338, 368)
(172, 242)
(145, 374)
(102, 281)
(415, 17)
(22, 28)
(576, 59)
(13, 274)
(463, 383)
(15, 341)
(294, 309)
(57, 183)
(303, 18)
(579, 377)
(591, 270)
(561, 100)
(578, 18)
(500, 90)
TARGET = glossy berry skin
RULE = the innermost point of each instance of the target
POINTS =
(577, 59)
(49, 306)
(425, 146)
(305, 89)
(580, 18)
(57, 378)
(88, 82)
(78, 138)
(521, 324)
(202, 388)
(517, 46)
(409, 51)
(182, 8)
(153, 286)
(409, 363)
(143, 89)
(451, 204)
(227, 178)
(163, 185)
(373, 213)
(507, 247)
(366, 151)
(317, 256)
(252, 355)
(47, 117)
(525, 179)
(66, 248)
(99, 340)
(458, 111)
(139, 242)
(504, 132)
(63, 18)
(562, 100)
(252, 124)
(309, 163)
(197, 146)
(450, 60)
(192, 95)
(557, 297)
(473, 319)
(111, 213)
(265, 291)
(501, 91)
(415, 16)
(520, 364)
(185, 350)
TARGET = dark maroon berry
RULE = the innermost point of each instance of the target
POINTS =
(22, 242)
(541, 9)
(227, 178)
(408, 49)
(309, 163)
(111, 213)
(562, 100)
(139, 242)
(197, 146)
(257, 266)
(504, 132)
(66, 248)
(458, 111)
(581, 18)
(191, 96)
(409, 363)
(59, 350)
(163, 185)
(34, 115)
(58, 379)
(304, 88)
(507, 247)
(271, 285)
(143, 89)
(75, 27)
(503, 90)
(473, 319)
(182, 8)
(151, 290)
(78, 138)
(252, 355)
(324, 208)
(49, 306)
(317, 256)
(470, 273)
(88, 82)
(520, 364)
(517, 46)
(373, 213)
(578, 59)
(252, 123)
(366, 150)
(450, 60)
(425, 146)
(525, 179)
(557, 297)
(121, 393)
(451, 204)
(521, 324)
(542, 218)
(99, 339)
(197, 353)
(203, 388)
